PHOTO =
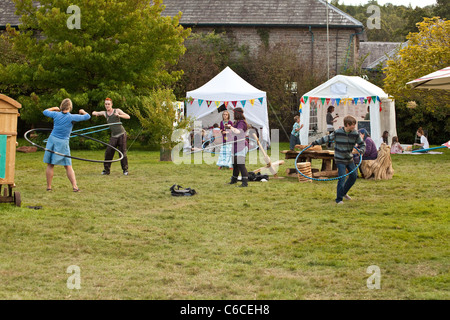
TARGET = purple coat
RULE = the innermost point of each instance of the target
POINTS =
(371, 152)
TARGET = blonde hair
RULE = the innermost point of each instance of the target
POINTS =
(66, 105)
(227, 114)
(349, 120)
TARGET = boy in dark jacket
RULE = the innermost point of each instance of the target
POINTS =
(345, 139)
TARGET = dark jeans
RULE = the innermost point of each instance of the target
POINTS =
(293, 141)
(121, 144)
(344, 184)
(239, 166)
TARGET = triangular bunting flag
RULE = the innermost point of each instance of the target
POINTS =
(252, 101)
(361, 100)
(261, 100)
(374, 99)
(200, 101)
(226, 103)
(355, 100)
(328, 100)
(208, 103)
(333, 101)
(338, 101)
(234, 103)
(301, 100)
(365, 101)
(378, 99)
(300, 108)
(369, 99)
(323, 101)
(305, 99)
(217, 104)
(243, 103)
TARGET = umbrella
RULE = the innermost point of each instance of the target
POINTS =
(436, 80)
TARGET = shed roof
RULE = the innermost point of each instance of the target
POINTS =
(10, 101)
(259, 13)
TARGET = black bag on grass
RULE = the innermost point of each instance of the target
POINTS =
(178, 191)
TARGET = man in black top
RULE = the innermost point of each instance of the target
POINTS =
(118, 135)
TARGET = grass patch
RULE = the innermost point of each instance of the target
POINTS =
(276, 240)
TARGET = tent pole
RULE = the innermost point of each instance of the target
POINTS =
(278, 120)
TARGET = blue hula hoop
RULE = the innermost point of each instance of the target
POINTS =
(231, 142)
(329, 179)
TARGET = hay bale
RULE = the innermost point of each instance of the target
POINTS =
(381, 168)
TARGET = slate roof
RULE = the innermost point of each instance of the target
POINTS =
(379, 52)
(292, 13)
(259, 13)
(7, 9)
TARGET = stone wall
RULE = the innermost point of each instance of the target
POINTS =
(310, 46)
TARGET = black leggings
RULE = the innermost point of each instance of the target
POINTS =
(239, 166)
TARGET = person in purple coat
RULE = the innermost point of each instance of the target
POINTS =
(371, 152)
(240, 146)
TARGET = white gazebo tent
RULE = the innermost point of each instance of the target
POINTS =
(350, 95)
(229, 90)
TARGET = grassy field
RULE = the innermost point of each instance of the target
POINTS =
(275, 240)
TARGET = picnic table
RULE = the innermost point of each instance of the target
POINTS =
(328, 168)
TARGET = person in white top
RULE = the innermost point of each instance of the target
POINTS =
(423, 140)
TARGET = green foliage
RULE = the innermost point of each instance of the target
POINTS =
(206, 55)
(156, 114)
(122, 51)
(396, 20)
(428, 50)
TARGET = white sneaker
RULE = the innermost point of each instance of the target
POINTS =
(347, 197)
(340, 202)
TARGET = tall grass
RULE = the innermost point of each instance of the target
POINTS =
(273, 240)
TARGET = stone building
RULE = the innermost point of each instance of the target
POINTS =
(300, 24)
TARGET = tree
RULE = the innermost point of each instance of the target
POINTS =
(121, 49)
(427, 51)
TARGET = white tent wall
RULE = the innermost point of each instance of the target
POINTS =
(352, 87)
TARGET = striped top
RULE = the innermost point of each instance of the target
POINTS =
(344, 143)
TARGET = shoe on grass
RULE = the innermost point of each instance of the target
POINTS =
(105, 173)
(340, 202)
(125, 172)
(347, 197)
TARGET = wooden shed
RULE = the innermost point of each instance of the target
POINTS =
(9, 112)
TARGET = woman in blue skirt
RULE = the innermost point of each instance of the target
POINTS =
(59, 140)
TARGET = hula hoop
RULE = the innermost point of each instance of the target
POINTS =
(223, 144)
(102, 125)
(329, 179)
(72, 157)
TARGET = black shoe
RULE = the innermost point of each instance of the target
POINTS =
(244, 182)
(105, 173)
(233, 180)
(125, 172)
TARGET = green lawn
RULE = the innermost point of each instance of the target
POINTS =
(276, 240)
